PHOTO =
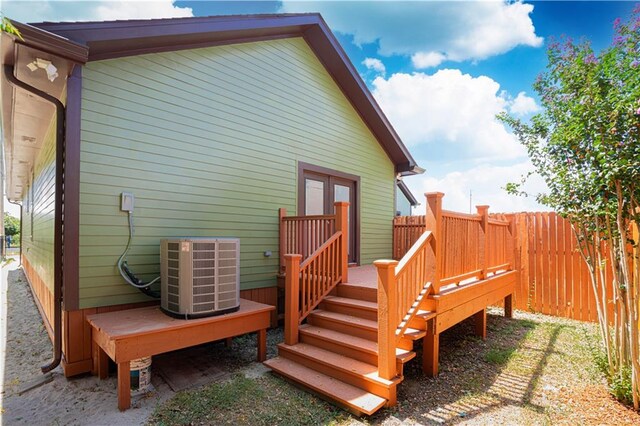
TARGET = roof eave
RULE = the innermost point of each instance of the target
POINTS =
(124, 38)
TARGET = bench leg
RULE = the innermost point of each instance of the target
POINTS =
(124, 386)
(508, 306)
(431, 349)
(228, 342)
(262, 345)
(100, 362)
(480, 319)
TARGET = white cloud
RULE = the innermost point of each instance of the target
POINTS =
(523, 105)
(450, 113)
(374, 64)
(427, 59)
(52, 10)
(458, 30)
(486, 183)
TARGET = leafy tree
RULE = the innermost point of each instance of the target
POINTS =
(11, 225)
(7, 27)
(586, 146)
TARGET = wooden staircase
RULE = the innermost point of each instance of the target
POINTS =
(348, 341)
(337, 352)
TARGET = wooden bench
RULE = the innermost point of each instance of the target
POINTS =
(127, 335)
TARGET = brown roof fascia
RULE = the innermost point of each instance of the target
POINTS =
(407, 193)
(51, 43)
(125, 38)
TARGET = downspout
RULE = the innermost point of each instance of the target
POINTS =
(21, 230)
(57, 243)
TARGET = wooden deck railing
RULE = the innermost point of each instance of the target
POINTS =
(309, 281)
(462, 240)
(304, 234)
(453, 248)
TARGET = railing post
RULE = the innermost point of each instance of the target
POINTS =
(291, 298)
(387, 317)
(433, 223)
(282, 212)
(484, 248)
(342, 224)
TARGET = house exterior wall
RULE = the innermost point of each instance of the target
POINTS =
(403, 205)
(38, 224)
(208, 140)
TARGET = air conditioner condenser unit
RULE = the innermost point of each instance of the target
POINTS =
(200, 276)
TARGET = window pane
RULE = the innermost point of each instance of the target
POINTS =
(314, 199)
(341, 193)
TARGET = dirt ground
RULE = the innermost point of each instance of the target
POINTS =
(531, 370)
(84, 400)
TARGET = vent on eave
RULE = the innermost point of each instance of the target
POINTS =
(29, 139)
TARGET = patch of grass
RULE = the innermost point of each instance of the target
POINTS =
(264, 401)
(499, 356)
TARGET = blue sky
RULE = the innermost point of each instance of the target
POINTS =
(439, 70)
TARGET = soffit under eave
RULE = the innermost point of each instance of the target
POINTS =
(26, 117)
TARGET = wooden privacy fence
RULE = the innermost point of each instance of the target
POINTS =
(554, 279)
(406, 231)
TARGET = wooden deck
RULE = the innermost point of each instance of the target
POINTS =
(349, 331)
(127, 335)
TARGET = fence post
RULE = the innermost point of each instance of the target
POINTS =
(395, 235)
(387, 317)
(342, 224)
(484, 248)
(291, 298)
(282, 212)
(434, 224)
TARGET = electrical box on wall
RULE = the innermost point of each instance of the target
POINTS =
(126, 202)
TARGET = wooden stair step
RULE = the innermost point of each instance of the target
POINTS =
(413, 334)
(347, 301)
(426, 315)
(350, 397)
(355, 326)
(357, 291)
(346, 305)
(336, 339)
(347, 369)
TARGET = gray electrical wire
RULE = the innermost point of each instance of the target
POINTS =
(121, 260)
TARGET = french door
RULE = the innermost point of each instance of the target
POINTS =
(318, 193)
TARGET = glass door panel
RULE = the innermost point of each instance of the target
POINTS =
(314, 197)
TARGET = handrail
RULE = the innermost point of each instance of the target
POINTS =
(319, 274)
(400, 285)
(310, 217)
(454, 248)
(310, 279)
(308, 283)
(418, 245)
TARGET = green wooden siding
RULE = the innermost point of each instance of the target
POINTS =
(39, 210)
(208, 141)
